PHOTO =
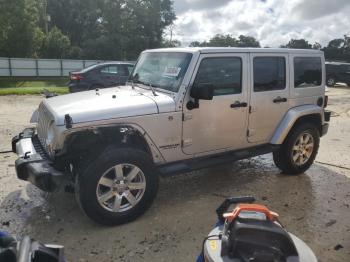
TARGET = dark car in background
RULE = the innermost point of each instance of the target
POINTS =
(100, 76)
(337, 72)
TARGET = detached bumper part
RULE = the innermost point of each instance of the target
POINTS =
(33, 165)
(39, 172)
(25, 134)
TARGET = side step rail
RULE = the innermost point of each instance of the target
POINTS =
(213, 160)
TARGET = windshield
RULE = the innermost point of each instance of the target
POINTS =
(161, 70)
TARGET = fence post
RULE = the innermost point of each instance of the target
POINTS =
(37, 67)
(10, 66)
(61, 63)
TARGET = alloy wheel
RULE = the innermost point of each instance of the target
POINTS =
(302, 149)
(330, 82)
(121, 188)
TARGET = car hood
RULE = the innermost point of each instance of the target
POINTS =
(109, 103)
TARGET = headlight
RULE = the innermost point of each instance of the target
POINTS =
(35, 117)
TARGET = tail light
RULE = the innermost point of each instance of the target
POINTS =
(325, 101)
(76, 77)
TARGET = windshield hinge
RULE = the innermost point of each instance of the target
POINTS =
(186, 116)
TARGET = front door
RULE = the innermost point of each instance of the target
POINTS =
(269, 99)
(219, 124)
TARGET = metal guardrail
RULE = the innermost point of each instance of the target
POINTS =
(27, 67)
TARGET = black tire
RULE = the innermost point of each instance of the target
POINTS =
(95, 86)
(90, 176)
(330, 81)
(283, 157)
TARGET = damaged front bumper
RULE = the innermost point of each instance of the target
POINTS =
(33, 164)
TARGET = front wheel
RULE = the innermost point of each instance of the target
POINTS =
(119, 186)
(299, 150)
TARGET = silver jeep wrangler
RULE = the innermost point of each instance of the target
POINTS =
(182, 109)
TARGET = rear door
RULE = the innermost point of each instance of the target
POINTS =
(269, 94)
(109, 75)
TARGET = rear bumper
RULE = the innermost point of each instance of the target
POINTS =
(325, 129)
(33, 164)
(325, 126)
(77, 87)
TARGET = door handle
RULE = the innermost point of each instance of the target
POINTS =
(239, 104)
(279, 99)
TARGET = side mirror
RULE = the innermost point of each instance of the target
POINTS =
(200, 91)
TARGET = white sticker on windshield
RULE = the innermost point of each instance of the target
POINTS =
(172, 71)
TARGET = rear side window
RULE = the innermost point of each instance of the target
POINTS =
(224, 73)
(307, 72)
(109, 70)
(269, 73)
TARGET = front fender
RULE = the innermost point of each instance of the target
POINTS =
(291, 117)
(113, 129)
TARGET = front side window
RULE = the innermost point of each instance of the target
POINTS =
(123, 70)
(130, 68)
(307, 72)
(164, 70)
(224, 73)
(269, 73)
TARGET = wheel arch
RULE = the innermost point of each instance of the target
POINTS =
(294, 117)
(95, 84)
(88, 142)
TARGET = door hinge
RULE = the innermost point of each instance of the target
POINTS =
(247, 132)
(186, 142)
(250, 109)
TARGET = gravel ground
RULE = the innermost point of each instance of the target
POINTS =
(314, 206)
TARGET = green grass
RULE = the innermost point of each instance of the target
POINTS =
(32, 90)
(17, 86)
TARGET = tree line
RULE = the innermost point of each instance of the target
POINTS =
(110, 30)
(336, 50)
(88, 29)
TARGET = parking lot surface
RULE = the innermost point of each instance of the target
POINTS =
(314, 206)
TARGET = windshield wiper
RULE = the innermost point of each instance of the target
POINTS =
(153, 90)
(145, 84)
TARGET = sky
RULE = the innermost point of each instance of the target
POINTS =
(272, 22)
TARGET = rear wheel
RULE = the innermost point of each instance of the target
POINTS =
(299, 150)
(118, 187)
(331, 82)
